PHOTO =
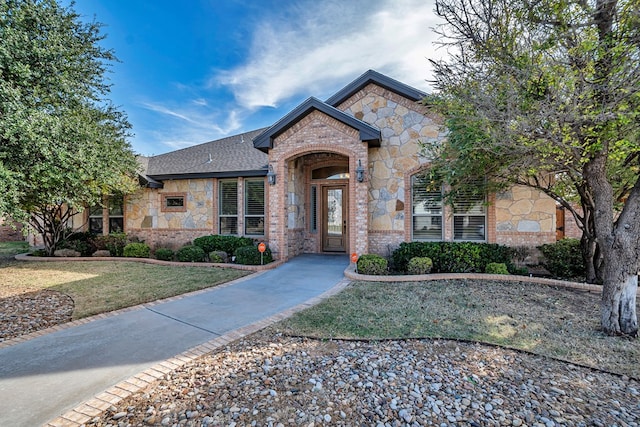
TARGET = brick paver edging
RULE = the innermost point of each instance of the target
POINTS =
(272, 265)
(350, 273)
(94, 407)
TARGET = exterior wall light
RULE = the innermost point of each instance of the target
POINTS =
(271, 176)
(360, 172)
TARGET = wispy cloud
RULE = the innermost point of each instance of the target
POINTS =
(328, 42)
(307, 48)
(190, 124)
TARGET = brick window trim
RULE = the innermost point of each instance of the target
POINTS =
(165, 208)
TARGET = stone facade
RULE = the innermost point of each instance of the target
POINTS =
(525, 217)
(403, 125)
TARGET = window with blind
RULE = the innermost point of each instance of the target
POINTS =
(469, 217)
(228, 207)
(426, 211)
(254, 207)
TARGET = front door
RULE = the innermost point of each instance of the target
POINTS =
(334, 218)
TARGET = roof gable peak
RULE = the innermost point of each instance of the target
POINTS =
(375, 77)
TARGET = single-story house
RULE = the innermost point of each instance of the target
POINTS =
(339, 175)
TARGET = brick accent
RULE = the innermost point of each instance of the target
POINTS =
(314, 134)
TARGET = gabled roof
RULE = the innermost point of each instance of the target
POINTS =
(368, 133)
(233, 156)
(380, 80)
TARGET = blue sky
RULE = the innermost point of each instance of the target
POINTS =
(199, 70)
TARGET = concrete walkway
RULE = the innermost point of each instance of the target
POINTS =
(45, 377)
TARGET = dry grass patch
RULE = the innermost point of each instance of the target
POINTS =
(555, 322)
(102, 286)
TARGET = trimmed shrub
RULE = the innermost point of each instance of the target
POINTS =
(372, 264)
(216, 242)
(496, 268)
(80, 242)
(453, 257)
(114, 243)
(563, 258)
(420, 265)
(190, 253)
(137, 250)
(218, 256)
(250, 255)
(164, 254)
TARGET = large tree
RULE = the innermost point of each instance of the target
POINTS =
(63, 145)
(546, 94)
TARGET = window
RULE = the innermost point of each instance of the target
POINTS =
(427, 211)
(254, 207)
(228, 206)
(174, 202)
(467, 219)
(115, 215)
(313, 215)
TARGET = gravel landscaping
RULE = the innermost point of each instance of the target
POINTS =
(274, 380)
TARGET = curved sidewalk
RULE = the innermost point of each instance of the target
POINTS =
(67, 377)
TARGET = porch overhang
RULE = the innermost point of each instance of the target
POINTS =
(368, 133)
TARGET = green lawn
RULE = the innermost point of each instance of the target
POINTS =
(13, 248)
(102, 286)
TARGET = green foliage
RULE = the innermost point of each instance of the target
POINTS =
(190, 253)
(62, 143)
(137, 250)
(419, 265)
(452, 257)
(372, 264)
(496, 268)
(164, 254)
(228, 244)
(215, 257)
(563, 258)
(218, 256)
(114, 243)
(249, 255)
(82, 242)
(532, 98)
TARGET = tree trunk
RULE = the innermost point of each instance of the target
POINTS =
(588, 245)
(618, 306)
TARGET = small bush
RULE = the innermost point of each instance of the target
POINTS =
(249, 255)
(137, 250)
(114, 243)
(78, 241)
(496, 268)
(563, 258)
(164, 254)
(419, 265)
(372, 264)
(39, 252)
(218, 256)
(216, 242)
(190, 253)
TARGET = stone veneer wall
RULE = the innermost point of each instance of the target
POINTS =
(525, 217)
(145, 219)
(403, 124)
